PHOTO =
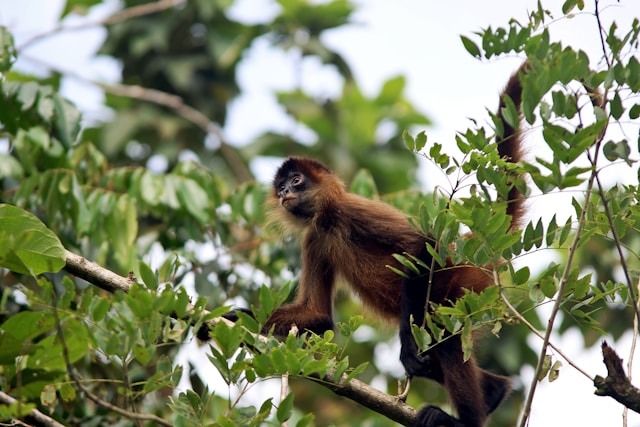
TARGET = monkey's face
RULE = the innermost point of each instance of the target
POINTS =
(293, 192)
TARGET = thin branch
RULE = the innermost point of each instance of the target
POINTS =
(115, 18)
(617, 242)
(533, 329)
(353, 389)
(34, 416)
(601, 33)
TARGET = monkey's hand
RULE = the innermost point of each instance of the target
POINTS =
(203, 333)
(305, 320)
(416, 365)
(233, 314)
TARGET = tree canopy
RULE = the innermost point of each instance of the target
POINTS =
(122, 236)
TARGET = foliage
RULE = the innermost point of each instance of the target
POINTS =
(193, 238)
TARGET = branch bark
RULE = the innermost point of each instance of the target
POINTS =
(358, 391)
(616, 384)
(34, 416)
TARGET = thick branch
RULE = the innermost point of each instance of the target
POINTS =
(362, 393)
(355, 390)
(35, 417)
(616, 384)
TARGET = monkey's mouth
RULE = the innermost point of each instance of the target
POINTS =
(285, 200)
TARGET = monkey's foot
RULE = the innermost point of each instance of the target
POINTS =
(403, 391)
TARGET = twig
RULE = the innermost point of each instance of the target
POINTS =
(533, 329)
(117, 17)
(616, 384)
(34, 416)
(601, 33)
(354, 389)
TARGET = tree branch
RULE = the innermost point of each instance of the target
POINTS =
(362, 393)
(356, 390)
(616, 384)
(115, 18)
(34, 416)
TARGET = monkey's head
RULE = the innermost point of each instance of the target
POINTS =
(303, 186)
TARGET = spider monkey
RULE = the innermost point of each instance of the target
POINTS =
(352, 238)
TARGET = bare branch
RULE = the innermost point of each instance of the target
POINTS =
(36, 417)
(117, 17)
(616, 384)
(362, 393)
(533, 329)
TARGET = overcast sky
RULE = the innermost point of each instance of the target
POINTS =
(417, 38)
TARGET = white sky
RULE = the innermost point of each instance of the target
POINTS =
(419, 39)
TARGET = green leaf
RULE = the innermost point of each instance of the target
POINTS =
(27, 246)
(392, 90)
(617, 150)
(421, 336)
(521, 276)
(421, 140)
(467, 340)
(404, 261)
(306, 421)
(408, 140)
(357, 371)
(569, 5)
(510, 113)
(397, 271)
(471, 46)
(48, 396)
(285, 409)
(8, 51)
(67, 121)
(616, 106)
(194, 199)
(143, 354)
(148, 276)
(364, 185)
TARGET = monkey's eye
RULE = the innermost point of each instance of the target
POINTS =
(296, 180)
